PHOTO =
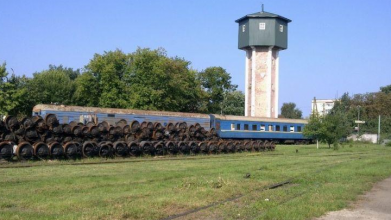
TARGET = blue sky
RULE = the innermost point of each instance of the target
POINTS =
(334, 46)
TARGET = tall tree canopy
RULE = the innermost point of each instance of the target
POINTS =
(217, 84)
(289, 110)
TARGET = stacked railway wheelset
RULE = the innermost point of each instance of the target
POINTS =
(45, 138)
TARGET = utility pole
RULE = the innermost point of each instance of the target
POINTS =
(358, 127)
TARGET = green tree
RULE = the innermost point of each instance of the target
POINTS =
(335, 126)
(73, 74)
(51, 86)
(386, 89)
(13, 94)
(314, 128)
(216, 82)
(234, 103)
(158, 82)
(87, 90)
(289, 110)
(111, 71)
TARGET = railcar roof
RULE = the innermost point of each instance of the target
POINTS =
(95, 110)
(259, 119)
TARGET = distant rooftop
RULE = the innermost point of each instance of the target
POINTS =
(263, 14)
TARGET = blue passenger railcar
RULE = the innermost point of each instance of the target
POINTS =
(240, 127)
(66, 114)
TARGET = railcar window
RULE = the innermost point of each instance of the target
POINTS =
(292, 129)
(246, 127)
(271, 128)
(263, 127)
(232, 127)
(254, 127)
(111, 115)
(285, 128)
(278, 128)
(238, 127)
(298, 128)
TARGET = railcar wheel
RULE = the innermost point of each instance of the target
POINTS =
(160, 149)
(212, 147)
(90, 149)
(134, 149)
(248, 146)
(70, 150)
(231, 147)
(24, 151)
(120, 149)
(183, 147)
(221, 147)
(194, 147)
(203, 146)
(171, 147)
(147, 148)
(41, 150)
(6, 150)
(105, 149)
(56, 150)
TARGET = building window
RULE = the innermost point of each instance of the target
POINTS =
(278, 128)
(232, 127)
(243, 28)
(246, 127)
(238, 127)
(271, 128)
(292, 129)
(111, 115)
(263, 127)
(254, 127)
(262, 26)
(281, 28)
(298, 128)
(285, 128)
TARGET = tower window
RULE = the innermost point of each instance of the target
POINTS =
(262, 26)
(281, 28)
(243, 28)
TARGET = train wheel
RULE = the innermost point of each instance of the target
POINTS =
(212, 147)
(24, 151)
(56, 150)
(248, 146)
(160, 149)
(147, 148)
(41, 150)
(70, 150)
(231, 147)
(6, 150)
(171, 147)
(203, 146)
(89, 149)
(183, 147)
(120, 149)
(134, 149)
(105, 149)
(194, 148)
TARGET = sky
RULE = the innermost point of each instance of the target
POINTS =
(334, 46)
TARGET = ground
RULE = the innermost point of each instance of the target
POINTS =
(227, 186)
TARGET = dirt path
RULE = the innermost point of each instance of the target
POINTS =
(375, 204)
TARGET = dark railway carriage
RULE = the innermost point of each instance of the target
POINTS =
(67, 114)
(278, 130)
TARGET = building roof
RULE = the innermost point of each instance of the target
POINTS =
(263, 14)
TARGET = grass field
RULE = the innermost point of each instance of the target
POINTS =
(155, 188)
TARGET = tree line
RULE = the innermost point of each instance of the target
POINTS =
(145, 79)
(340, 122)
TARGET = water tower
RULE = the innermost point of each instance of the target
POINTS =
(262, 35)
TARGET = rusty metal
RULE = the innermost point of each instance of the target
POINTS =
(24, 151)
(70, 150)
(184, 147)
(11, 123)
(120, 149)
(171, 147)
(212, 147)
(41, 150)
(51, 120)
(134, 149)
(194, 147)
(160, 149)
(146, 147)
(56, 150)
(6, 150)
(203, 146)
(90, 149)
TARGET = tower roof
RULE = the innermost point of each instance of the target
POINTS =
(263, 14)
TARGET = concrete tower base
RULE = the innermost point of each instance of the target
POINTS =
(262, 82)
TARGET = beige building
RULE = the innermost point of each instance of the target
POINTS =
(323, 106)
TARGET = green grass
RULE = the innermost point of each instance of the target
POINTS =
(153, 188)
